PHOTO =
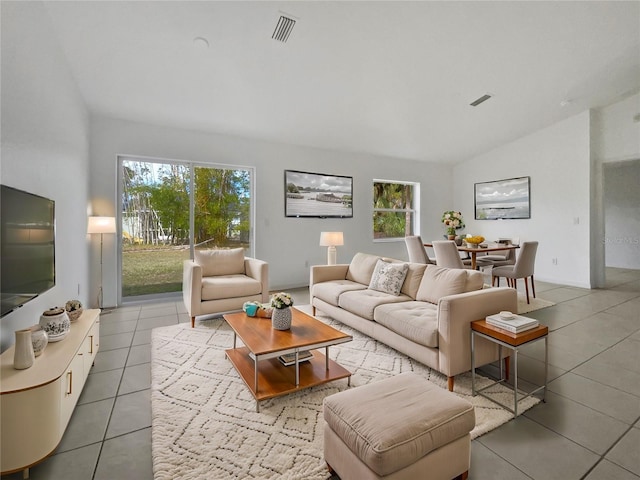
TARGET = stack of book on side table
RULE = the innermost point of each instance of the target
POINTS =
(511, 322)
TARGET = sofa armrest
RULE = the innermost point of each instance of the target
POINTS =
(455, 314)
(325, 273)
(192, 286)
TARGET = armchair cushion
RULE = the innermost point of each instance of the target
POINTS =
(229, 286)
(220, 262)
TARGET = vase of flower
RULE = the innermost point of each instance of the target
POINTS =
(23, 356)
(452, 221)
(281, 315)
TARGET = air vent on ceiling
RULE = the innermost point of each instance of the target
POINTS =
(478, 101)
(283, 28)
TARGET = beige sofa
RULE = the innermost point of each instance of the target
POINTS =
(219, 281)
(428, 319)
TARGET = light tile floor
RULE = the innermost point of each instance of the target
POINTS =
(589, 427)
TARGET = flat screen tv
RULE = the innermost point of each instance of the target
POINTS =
(317, 195)
(503, 199)
(27, 247)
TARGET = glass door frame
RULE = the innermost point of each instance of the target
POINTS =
(192, 165)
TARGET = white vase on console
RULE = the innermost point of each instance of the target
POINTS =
(23, 356)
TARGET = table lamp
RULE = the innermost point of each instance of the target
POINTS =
(331, 239)
(101, 225)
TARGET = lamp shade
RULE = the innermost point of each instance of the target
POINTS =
(101, 225)
(331, 239)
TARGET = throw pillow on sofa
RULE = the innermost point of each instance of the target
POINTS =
(388, 277)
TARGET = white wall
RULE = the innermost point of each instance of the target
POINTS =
(557, 159)
(286, 243)
(44, 148)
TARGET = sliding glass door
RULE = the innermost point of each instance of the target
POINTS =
(168, 209)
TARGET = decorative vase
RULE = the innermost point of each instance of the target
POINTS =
(23, 355)
(39, 339)
(55, 322)
(281, 318)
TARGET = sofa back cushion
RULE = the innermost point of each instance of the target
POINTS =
(388, 277)
(413, 279)
(361, 268)
(438, 282)
(220, 262)
(475, 280)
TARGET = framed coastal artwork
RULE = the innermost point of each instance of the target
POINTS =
(503, 199)
(317, 195)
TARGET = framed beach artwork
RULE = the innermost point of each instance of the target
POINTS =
(503, 199)
(317, 195)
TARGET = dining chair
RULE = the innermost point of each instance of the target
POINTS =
(416, 250)
(447, 254)
(523, 268)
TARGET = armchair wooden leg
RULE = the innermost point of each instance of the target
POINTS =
(313, 310)
(493, 280)
(462, 476)
(450, 383)
(193, 322)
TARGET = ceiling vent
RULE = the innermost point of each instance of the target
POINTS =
(480, 100)
(283, 28)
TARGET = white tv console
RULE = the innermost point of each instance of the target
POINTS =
(36, 404)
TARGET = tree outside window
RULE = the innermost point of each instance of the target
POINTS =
(394, 209)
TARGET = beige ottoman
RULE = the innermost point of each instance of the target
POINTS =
(403, 427)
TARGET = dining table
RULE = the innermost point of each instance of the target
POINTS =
(473, 249)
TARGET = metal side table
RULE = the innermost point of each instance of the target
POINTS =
(512, 341)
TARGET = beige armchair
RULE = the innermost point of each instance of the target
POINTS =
(218, 281)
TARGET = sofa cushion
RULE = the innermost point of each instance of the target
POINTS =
(415, 321)
(331, 291)
(361, 268)
(413, 279)
(364, 302)
(229, 286)
(388, 277)
(439, 282)
(220, 262)
(475, 281)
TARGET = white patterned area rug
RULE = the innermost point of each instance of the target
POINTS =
(205, 423)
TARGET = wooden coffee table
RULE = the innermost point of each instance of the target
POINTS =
(258, 364)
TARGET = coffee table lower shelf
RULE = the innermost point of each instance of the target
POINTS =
(275, 380)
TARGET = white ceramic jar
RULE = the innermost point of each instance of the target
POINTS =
(39, 339)
(55, 322)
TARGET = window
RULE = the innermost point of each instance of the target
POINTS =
(395, 213)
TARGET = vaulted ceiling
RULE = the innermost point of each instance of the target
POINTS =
(391, 78)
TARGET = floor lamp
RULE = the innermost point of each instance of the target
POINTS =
(101, 225)
(331, 239)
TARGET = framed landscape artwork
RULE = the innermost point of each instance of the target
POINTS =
(503, 199)
(317, 195)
